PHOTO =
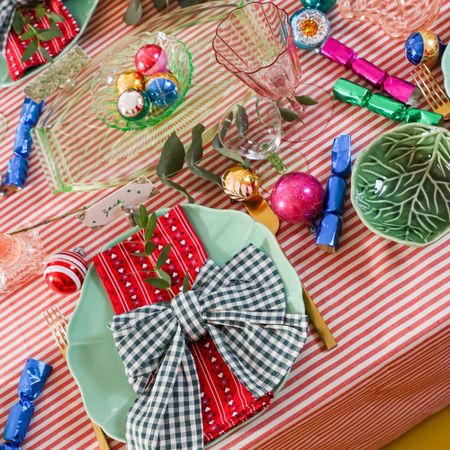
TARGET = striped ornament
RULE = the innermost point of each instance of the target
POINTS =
(65, 272)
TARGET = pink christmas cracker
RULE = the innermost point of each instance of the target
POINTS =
(396, 87)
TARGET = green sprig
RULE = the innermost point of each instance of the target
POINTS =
(22, 27)
(147, 222)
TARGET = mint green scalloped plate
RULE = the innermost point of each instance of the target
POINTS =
(445, 65)
(82, 10)
(92, 356)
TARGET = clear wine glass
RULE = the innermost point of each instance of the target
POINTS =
(252, 128)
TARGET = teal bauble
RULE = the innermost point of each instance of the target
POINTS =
(321, 5)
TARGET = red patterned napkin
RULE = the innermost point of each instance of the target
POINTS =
(225, 401)
(15, 47)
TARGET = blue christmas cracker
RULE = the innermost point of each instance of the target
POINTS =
(331, 222)
(9, 446)
(31, 384)
(17, 169)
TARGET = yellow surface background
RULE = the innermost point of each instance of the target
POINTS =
(432, 434)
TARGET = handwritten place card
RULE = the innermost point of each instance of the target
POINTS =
(116, 204)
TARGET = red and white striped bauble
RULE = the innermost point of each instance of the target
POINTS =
(65, 272)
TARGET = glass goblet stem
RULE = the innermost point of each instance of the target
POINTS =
(277, 163)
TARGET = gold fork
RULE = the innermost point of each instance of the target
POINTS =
(433, 93)
(58, 327)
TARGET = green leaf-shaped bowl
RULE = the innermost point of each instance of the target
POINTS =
(401, 184)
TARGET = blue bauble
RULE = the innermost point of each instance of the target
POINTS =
(424, 47)
(310, 28)
(162, 89)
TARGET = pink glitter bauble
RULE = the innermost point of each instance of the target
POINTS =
(297, 197)
(150, 58)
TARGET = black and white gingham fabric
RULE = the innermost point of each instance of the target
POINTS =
(7, 10)
(242, 306)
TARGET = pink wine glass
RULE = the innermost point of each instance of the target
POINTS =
(398, 18)
(256, 44)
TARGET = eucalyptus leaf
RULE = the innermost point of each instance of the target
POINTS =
(46, 54)
(186, 282)
(56, 17)
(216, 142)
(217, 145)
(287, 114)
(162, 258)
(40, 11)
(137, 219)
(133, 14)
(150, 227)
(46, 35)
(164, 276)
(241, 120)
(195, 155)
(28, 34)
(17, 23)
(161, 4)
(195, 151)
(177, 187)
(158, 283)
(55, 30)
(30, 50)
(172, 157)
(401, 184)
(186, 3)
(206, 174)
(306, 100)
(149, 248)
(226, 124)
(140, 254)
(142, 216)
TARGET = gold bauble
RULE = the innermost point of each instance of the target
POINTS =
(130, 79)
(241, 183)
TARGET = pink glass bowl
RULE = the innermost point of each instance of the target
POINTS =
(398, 18)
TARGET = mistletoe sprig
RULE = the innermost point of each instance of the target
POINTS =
(22, 26)
(160, 278)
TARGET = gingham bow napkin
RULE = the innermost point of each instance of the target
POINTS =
(242, 306)
(7, 10)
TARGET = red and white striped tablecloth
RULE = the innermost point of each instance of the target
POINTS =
(387, 304)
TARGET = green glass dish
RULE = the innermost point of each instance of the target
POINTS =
(82, 12)
(118, 60)
(401, 184)
(92, 355)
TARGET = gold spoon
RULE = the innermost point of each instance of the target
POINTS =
(242, 184)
